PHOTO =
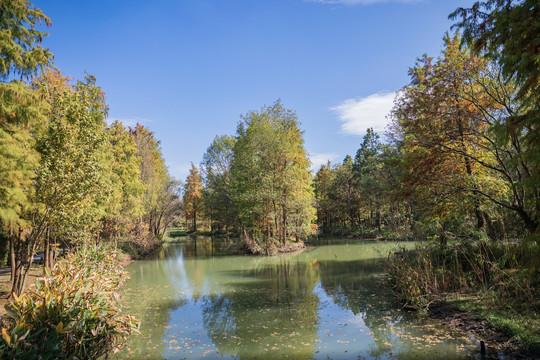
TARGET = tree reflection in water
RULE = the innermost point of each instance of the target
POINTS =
(274, 310)
(327, 302)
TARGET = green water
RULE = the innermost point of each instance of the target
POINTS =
(328, 302)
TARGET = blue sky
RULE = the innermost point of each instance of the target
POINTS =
(188, 69)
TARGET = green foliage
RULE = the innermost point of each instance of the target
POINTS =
(71, 174)
(124, 206)
(258, 183)
(357, 198)
(20, 49)
(21, 118)
(21, 109)
(217, 188)
(509, 32)
(72, 313)
(270, 178)
(4, 248)
(160, 200)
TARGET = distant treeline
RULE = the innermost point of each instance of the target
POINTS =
(461, 158)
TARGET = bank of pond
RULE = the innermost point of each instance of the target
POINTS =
(331, 301)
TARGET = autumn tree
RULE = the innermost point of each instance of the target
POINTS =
(452, 118)
(193, 190)
(508, 31)
(270, 177)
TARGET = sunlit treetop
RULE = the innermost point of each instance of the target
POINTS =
(20, 37)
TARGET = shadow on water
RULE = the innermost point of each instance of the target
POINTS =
(195, 301)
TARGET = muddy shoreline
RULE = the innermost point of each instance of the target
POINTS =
(497, 342)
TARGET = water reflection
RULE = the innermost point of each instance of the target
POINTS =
(327, 302)
(273, 309)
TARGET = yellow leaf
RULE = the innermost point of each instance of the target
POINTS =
(59, 327)
(6, 337)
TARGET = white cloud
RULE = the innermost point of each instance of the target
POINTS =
(320, 159)
(357, 115)
(362, 2)
(131, 121)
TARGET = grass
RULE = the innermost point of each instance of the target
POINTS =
(172, 233)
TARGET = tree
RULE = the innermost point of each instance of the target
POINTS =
(193, 196)
(345, 193)
(20, 49)
(125, 206)
(167, 208)
(71, 180)
(367, 168)
(326, 206)
(21, 119)
(154, 176)
(68, 180)
(217, 196)
(507, 31)
(270, 178)
(452, 120)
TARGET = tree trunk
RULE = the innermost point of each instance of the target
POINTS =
(12, 255)
(24, 252)
(443, 241)
(46, 253)
(468, 168)
(284, 226)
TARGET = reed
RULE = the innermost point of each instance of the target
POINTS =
(502, 273)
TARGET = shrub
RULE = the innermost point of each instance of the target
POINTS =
(73, 313)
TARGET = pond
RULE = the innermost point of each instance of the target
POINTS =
(329, 302)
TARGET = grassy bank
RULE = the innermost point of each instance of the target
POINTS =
(496, 281)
